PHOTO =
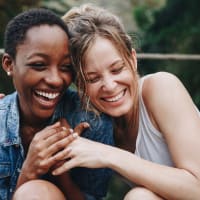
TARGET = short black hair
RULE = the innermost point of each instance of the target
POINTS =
(15, 32)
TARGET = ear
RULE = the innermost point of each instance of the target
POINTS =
(134, 59)
(7, 64)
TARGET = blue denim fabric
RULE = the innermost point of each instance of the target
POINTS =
(94, 182)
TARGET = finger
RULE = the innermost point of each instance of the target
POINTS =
(57, 164)
(60, 145)
(55, 125)
(64, 123)
(81, 127)
(61, 133)
(47, 131)
(60, 156)
(65, 167)
(2, 95)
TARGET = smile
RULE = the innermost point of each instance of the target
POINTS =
(116, 98)
(48, 95)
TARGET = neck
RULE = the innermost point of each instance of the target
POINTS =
(27, 133)
(125, 131)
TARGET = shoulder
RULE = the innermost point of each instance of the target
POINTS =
(8, 114)
(161, 86)
(159, 81)
(7, 102)
(164, 96)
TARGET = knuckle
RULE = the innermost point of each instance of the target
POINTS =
(59, 145)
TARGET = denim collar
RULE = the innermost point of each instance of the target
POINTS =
(11, 128)
(12, 124)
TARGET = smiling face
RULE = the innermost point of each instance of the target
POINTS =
(110, 82)
(41, 71)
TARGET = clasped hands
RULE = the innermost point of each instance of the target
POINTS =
(57, 148)
(47, 146)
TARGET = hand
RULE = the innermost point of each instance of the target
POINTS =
(77, 131)
(44, 145)
(2, 95)
(81, 153)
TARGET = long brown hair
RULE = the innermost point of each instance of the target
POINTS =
(85, 24)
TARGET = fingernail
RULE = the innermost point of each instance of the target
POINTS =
(54, 173)
(71, 130)
(75, 135)
(86, 125)
(64, 128)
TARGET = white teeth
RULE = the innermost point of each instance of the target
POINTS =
(116, 98)
(47, 95)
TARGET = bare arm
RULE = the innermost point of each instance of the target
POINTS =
(177, 119)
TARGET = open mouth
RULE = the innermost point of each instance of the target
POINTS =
(47, 95)
(115, 98)
(47, 99)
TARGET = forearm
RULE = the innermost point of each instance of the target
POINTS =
(24, 177)
(168, 182)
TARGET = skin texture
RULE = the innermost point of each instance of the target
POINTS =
(42, 64)
(171, 112)
(109, 79)
(41, 72)
(37, 189)
(2, 95)
(37, 71)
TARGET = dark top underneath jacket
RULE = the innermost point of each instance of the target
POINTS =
(94, 182)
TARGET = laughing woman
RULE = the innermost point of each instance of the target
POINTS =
(155, 120)
(38, 61)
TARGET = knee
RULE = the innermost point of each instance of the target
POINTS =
(141, 193)
(38, 189)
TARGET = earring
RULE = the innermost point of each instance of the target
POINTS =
(8, 73)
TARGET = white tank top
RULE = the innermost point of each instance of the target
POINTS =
(150, 144)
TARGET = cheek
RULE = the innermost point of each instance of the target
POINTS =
(128, 76)
(68, 78)
(92, 91)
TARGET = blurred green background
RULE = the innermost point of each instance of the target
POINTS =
(156, 26)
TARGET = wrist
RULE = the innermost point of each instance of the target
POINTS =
(27, 174)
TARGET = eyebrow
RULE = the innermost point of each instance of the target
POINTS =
(45, 55)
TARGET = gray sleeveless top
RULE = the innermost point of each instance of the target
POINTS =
(150, 144)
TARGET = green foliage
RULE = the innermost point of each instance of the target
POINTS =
(176, 29)
(143, 16)
(60, 7)
(9, 9)
(143, 12)
(117, 189)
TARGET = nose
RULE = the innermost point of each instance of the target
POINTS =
(54, 78)
(109, 83)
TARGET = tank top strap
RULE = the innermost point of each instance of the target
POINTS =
(141, 81)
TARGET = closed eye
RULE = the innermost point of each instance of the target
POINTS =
(66, 67)
(117, 69)
(93, 79)
(37, 65)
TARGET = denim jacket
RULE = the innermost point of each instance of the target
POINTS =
(93, 182)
